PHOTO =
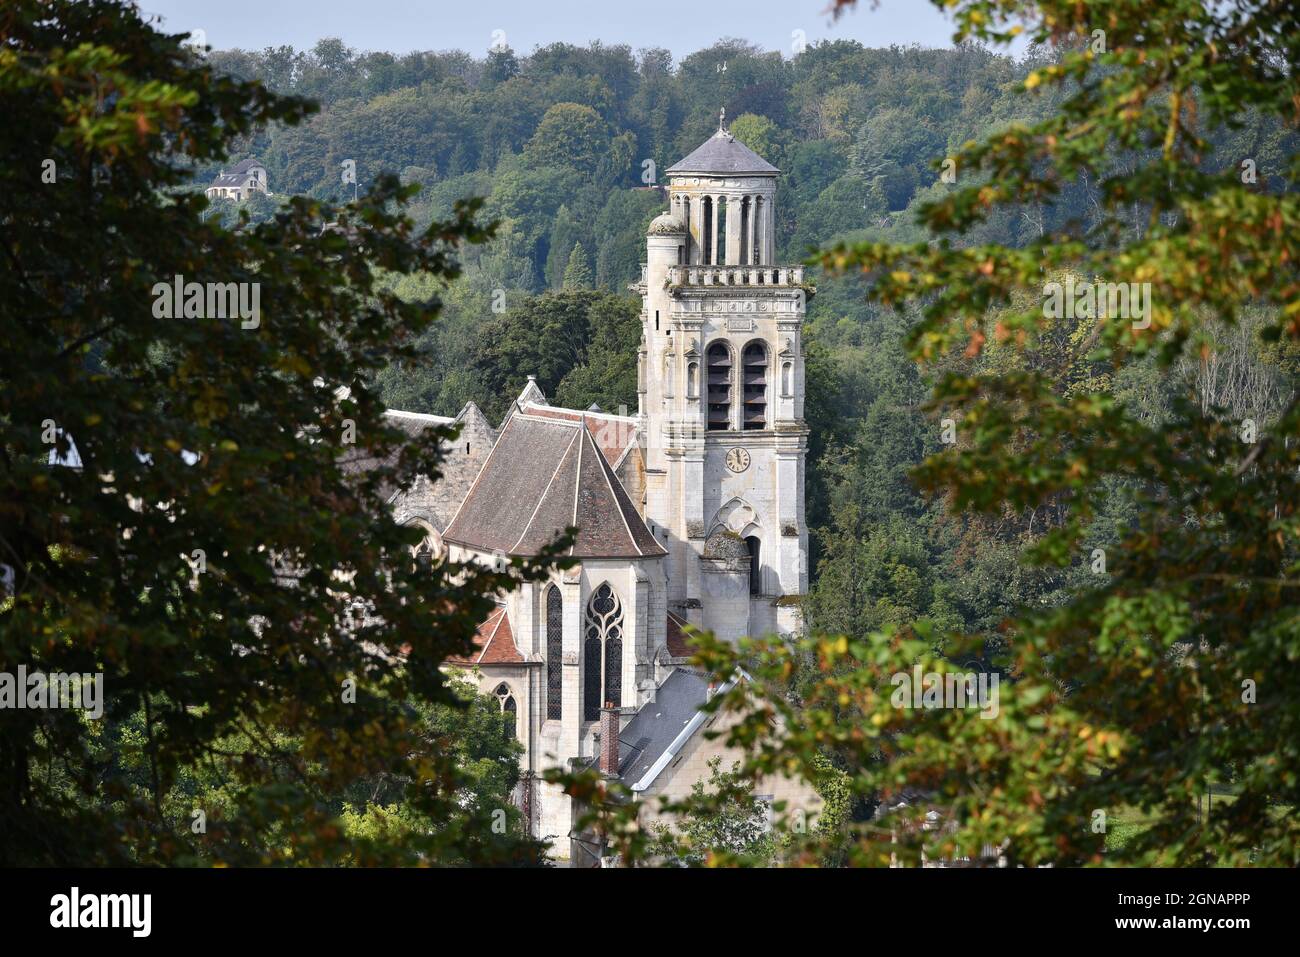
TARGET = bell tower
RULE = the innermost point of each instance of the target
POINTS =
(721, 390)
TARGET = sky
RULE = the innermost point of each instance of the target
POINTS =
(682, 26)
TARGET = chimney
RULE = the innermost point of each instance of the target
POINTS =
(609, 739)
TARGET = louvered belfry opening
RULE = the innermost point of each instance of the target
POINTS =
(754, 376)
(718, 365)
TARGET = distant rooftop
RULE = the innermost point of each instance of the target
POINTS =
(723, 153)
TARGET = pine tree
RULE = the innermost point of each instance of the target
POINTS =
(577, 274)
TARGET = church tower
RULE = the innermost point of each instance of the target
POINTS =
(721, 391)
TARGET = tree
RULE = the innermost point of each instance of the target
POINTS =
(1170, 669)
(571, 136)
(577, 274)
(224, 557)
(733, 826)
(761, 135)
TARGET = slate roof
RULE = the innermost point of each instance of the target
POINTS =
(495, 641)
(723, 153)
(237, 174)
(614, 434)
(658, 724)
(545, 473)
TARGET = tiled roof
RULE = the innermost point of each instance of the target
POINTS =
(614, 434)
(678, 646)
(659, 722)
(723, 153)
(495, 641)
(545, 473)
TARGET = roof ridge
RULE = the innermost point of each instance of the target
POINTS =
(577, 477)
(578, 412)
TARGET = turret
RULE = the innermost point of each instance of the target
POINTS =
(723, 192)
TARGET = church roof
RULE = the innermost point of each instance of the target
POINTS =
(545, 473)
(723, 153)
(494, 641)
(614, 435)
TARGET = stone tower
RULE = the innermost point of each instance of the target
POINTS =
(721, 391)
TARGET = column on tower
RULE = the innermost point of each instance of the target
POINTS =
(751, 252)
(735, 221)
(768, 233)
(694, 228)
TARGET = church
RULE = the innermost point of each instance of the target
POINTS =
(689, 513)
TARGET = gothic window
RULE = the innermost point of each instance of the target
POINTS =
(554, 654)
(754, 376)
(429, 549)
(718, 363)
(602, 652)
(508, 709)
(755, 566)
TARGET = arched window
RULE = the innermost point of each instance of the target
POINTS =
(718, 363)
(754, 376)
(428, 550)
(508, 709)
(755, 566)
(554, 654)
(602, 652)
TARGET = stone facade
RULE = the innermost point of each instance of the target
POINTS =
(691, 512)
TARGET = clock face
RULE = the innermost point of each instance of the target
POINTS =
(737, 460)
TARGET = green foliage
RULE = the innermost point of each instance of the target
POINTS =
(1111, 527)
(724, 821)
(577, 274)
(248, 599)
(580, 344)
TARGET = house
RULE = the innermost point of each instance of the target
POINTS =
(239, 182)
